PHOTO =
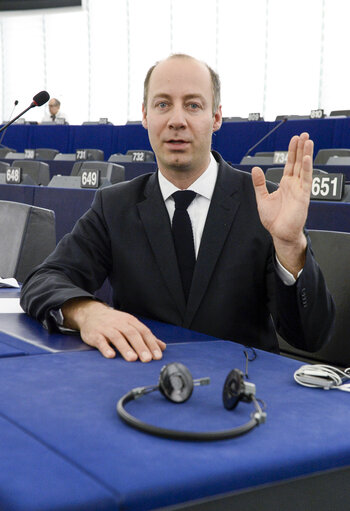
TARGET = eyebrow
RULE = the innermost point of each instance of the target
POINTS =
(186, 97)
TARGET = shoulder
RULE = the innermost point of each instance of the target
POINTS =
(127, 192)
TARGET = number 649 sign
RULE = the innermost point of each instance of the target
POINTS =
(327, 187)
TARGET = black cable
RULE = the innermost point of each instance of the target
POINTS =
(257, 417)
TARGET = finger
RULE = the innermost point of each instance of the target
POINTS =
(123, 345)
(99, 341)
(292, 152)
(161, 344)
(259, 183)
(155, 345)
(306, 172)
(299, 157)
(300, 154)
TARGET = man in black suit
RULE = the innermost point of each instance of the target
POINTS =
(254, 269)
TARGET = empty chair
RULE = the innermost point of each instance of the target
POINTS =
(342, 113)
(5, 150)
(4, 166)
(28, 236)
(323, 155)
(295, 117)
(234, 119)
(45, 153)
(339, 160)
(37, 170)
(102, 122)
(120, 158)
(15, 155)
(90, 154)
(332, 251)
(257, 160)
(141, 155)
(112, 172)
(275, 174)
(265, 153)
(65, 156)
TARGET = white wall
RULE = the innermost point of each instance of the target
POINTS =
(273, 56)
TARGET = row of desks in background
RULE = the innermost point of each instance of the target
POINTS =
(71, 204)
(64, 447)
(233, 139)
(64, 168)
(134, 169)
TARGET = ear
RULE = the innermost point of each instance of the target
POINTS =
(217, 119)
(144, 117)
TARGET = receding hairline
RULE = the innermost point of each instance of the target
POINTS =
(214, 78)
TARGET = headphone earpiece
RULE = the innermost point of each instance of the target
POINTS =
(236, 389)
(175, 382)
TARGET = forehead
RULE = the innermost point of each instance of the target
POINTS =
(52, 103)
(180, 77)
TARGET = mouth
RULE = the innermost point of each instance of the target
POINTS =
(177, 143)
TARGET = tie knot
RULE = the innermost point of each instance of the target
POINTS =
(183, 198)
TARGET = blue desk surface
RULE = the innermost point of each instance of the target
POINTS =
(58, 422)
(20, 332)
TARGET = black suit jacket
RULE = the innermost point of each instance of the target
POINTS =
(235, 293)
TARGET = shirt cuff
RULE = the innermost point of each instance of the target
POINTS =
(286, 277)
(57, 316)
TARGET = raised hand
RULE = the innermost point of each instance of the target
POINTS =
(283, 212)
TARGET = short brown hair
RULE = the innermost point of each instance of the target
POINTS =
(215, 81)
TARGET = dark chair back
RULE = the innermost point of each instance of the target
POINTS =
(332, 252)
(28, 236)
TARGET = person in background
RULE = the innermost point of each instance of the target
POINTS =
(250, 271)
(54, 112)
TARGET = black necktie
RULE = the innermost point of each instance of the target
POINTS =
(183, 237)
(53, 117)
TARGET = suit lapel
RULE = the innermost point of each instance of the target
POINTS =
(223, 208)
(155, 218)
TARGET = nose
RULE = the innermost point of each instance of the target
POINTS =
(177, 118)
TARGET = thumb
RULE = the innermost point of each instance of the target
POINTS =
(259, 183)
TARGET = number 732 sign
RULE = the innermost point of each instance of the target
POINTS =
(327, 187)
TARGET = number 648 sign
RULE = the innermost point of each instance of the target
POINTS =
(327, 187)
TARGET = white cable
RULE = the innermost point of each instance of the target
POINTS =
(323, 376)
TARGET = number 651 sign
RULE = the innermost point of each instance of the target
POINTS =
(327, 187)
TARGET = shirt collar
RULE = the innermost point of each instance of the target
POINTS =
(204, 185)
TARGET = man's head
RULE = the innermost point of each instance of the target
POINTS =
(215, 81)
(181, 110)
(54, 106)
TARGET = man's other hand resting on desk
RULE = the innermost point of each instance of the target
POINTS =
(101, 326)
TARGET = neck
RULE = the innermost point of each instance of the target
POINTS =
(182, 178)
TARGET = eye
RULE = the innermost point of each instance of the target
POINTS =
(194, 106)
(161, 105)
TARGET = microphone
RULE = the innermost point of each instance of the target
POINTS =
(38, 100)
(265, 136)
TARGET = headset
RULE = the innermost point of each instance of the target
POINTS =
(176, 384)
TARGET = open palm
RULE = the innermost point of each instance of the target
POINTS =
(283, 212)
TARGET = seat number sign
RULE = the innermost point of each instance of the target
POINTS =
(138, 156)
(280, 156)
(13, 175)
(29, 154)
(80, 154)
(327, 187)
(90, 179)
